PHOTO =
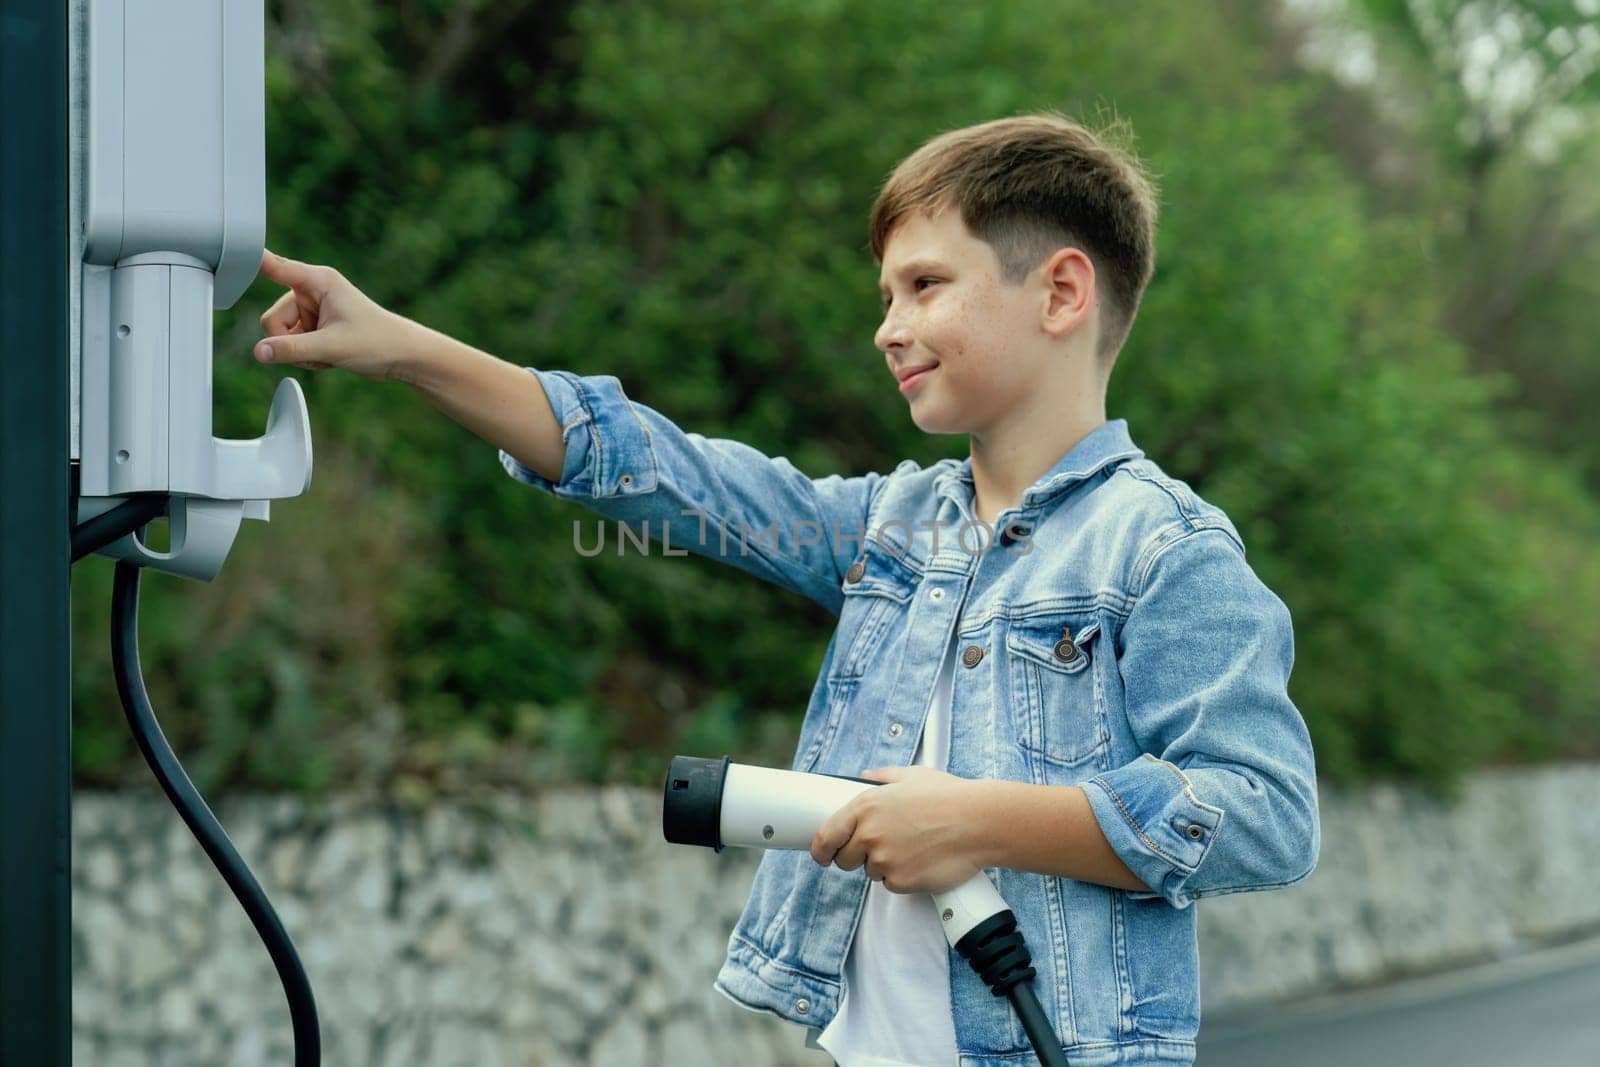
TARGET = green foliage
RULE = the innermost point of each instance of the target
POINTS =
(1486, 111)
(676, 193)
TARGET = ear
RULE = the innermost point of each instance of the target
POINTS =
(1069, 283)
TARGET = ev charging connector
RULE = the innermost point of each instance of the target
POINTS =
(717, 803)
(174, 223)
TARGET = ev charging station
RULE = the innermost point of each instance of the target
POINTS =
(173, 226)
(132, 206)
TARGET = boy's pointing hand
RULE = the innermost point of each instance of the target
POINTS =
(324, 322)
(917, 834)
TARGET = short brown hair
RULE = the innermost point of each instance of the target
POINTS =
(1031, 184)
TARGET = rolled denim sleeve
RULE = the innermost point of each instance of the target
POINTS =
(710, 496)
(1224, 797)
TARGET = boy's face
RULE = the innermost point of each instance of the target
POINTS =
(948, 310)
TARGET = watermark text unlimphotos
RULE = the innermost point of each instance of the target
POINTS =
(974, 536)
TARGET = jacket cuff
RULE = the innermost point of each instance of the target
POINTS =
(1155, 824)
(608, 450)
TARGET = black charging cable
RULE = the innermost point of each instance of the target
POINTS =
(997, 952)
(89, 536)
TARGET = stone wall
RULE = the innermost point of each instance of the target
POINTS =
(561, 929)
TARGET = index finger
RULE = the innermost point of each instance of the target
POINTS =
(293, 273)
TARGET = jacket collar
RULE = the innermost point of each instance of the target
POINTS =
(1106, 445)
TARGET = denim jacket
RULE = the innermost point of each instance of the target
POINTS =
(1113, 639)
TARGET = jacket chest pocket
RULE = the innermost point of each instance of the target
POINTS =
(1054, 687)
(876, 588)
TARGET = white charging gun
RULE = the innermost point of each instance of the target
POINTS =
(717, 803)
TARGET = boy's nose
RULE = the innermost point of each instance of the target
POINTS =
(892, 334)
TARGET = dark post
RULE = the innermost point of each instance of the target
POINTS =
(35, 694)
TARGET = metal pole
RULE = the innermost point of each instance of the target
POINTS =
(35, 490)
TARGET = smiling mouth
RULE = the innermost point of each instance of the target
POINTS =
(916, 376)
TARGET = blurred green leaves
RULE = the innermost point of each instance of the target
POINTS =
(676, 193)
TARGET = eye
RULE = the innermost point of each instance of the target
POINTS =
(917, 286)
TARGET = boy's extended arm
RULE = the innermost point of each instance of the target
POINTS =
(582, 439)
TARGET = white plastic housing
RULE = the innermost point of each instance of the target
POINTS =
(174, 217)
(177, 135)
(767, 808)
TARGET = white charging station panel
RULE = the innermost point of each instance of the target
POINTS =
(177, 136)
(173, 210)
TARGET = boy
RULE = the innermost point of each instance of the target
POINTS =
(1054, 654)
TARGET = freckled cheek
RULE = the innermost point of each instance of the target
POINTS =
(978, 352)
(951, 334)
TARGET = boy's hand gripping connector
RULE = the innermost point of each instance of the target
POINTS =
(717, 803)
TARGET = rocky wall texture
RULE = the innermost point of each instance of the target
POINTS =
(561, 929)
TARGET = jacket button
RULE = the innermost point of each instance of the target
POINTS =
(1195, 831)
(1014, 532)
(972, 656)
(857, 569)
(894, 729)
(803, 1006)
(1065, 650)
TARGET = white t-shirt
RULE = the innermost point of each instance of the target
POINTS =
(895, 1011)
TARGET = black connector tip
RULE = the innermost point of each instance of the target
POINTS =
(691, 809)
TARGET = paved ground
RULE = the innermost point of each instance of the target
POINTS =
(1542, 1008)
